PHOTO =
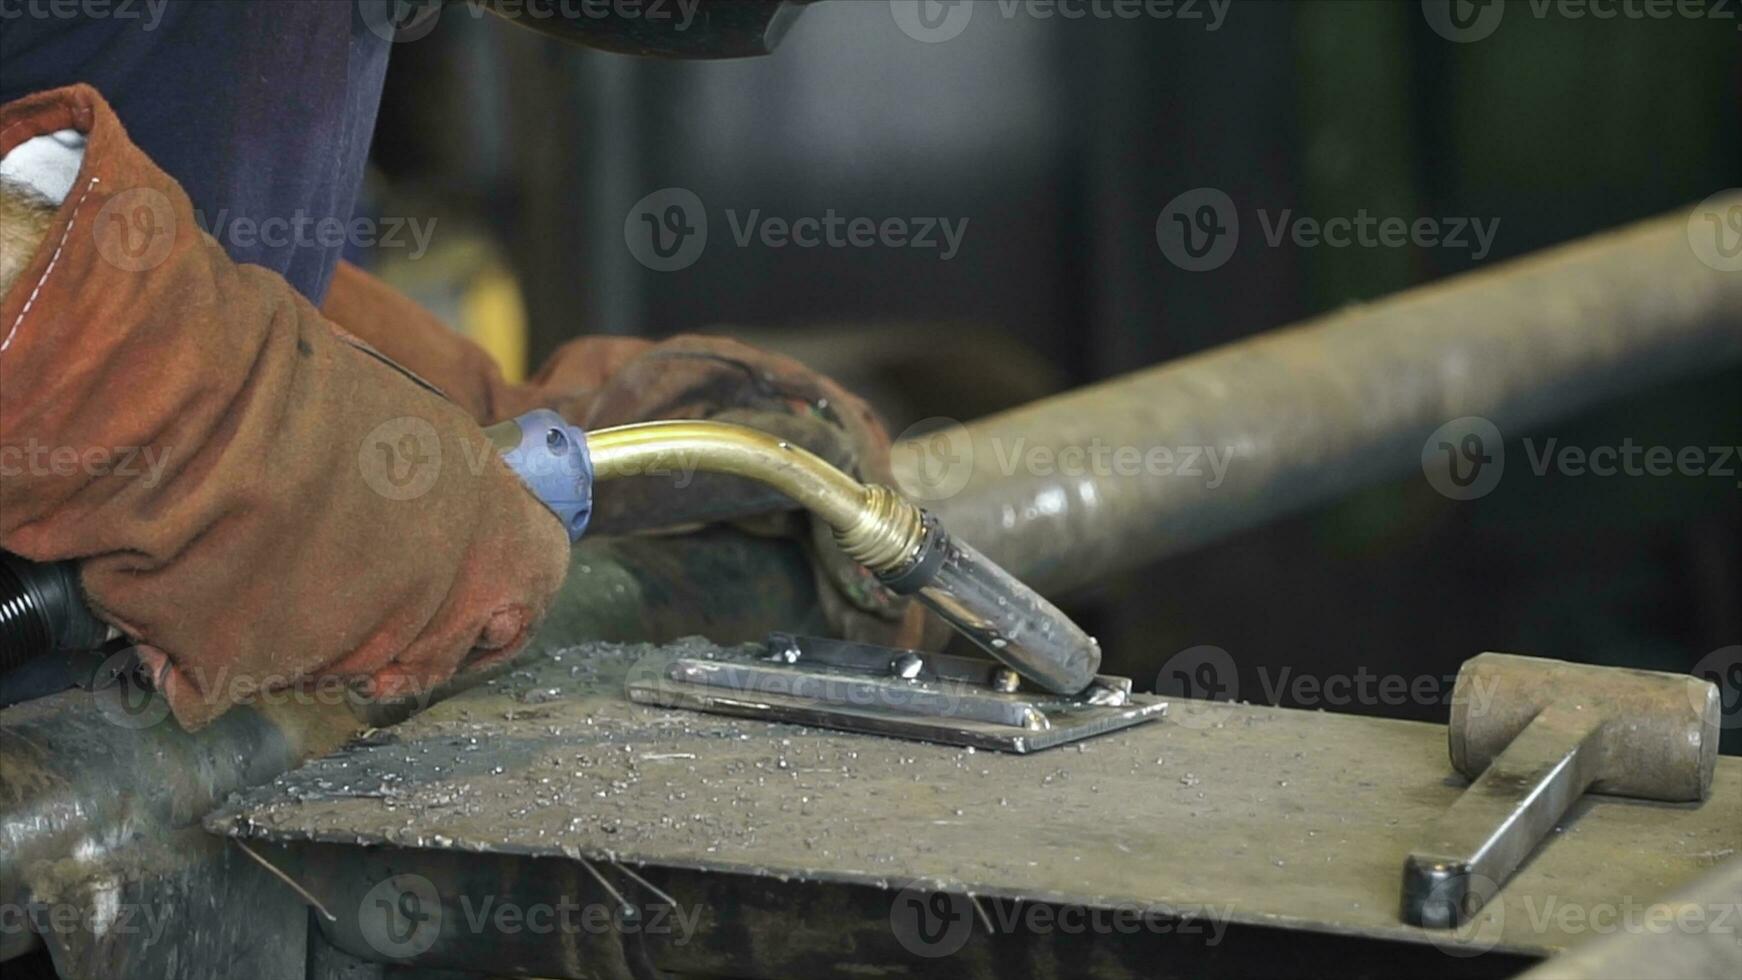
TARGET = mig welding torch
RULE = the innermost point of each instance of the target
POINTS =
(41, 609)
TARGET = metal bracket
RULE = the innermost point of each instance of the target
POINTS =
(859, 687)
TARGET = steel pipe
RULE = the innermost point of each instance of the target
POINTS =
(1303, 415)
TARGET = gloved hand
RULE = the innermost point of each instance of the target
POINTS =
(255, 496)
(603, 381)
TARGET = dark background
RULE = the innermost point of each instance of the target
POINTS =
(1061, 141)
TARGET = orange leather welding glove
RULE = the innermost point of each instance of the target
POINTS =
(256, 497)
(603, 381)
(420, 342)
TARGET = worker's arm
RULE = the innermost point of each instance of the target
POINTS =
(254, 496)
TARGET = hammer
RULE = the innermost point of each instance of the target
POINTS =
(1535, 735)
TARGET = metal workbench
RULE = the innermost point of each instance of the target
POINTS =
(1243, 833)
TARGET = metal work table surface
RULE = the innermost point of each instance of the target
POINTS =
(1269, 816)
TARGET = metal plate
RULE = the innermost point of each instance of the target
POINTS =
(848, 695)
(1269, 817)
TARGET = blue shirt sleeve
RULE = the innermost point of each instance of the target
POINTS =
(263, 110)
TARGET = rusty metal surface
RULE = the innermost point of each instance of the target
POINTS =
(1302, 415)
(1280, 818)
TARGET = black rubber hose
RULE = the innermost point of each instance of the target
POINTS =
(42, 610)
(25, 630)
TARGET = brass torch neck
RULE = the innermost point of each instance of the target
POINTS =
(886, 534)
(874, 525)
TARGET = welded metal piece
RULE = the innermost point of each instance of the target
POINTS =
(1300, 416)
(1536, 735)
(899, 693)
(1265, 827)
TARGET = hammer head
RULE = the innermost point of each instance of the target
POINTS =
(1659, 735)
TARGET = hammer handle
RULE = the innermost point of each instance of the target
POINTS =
(1476, 844)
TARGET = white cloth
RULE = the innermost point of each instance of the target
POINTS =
(46, 164)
